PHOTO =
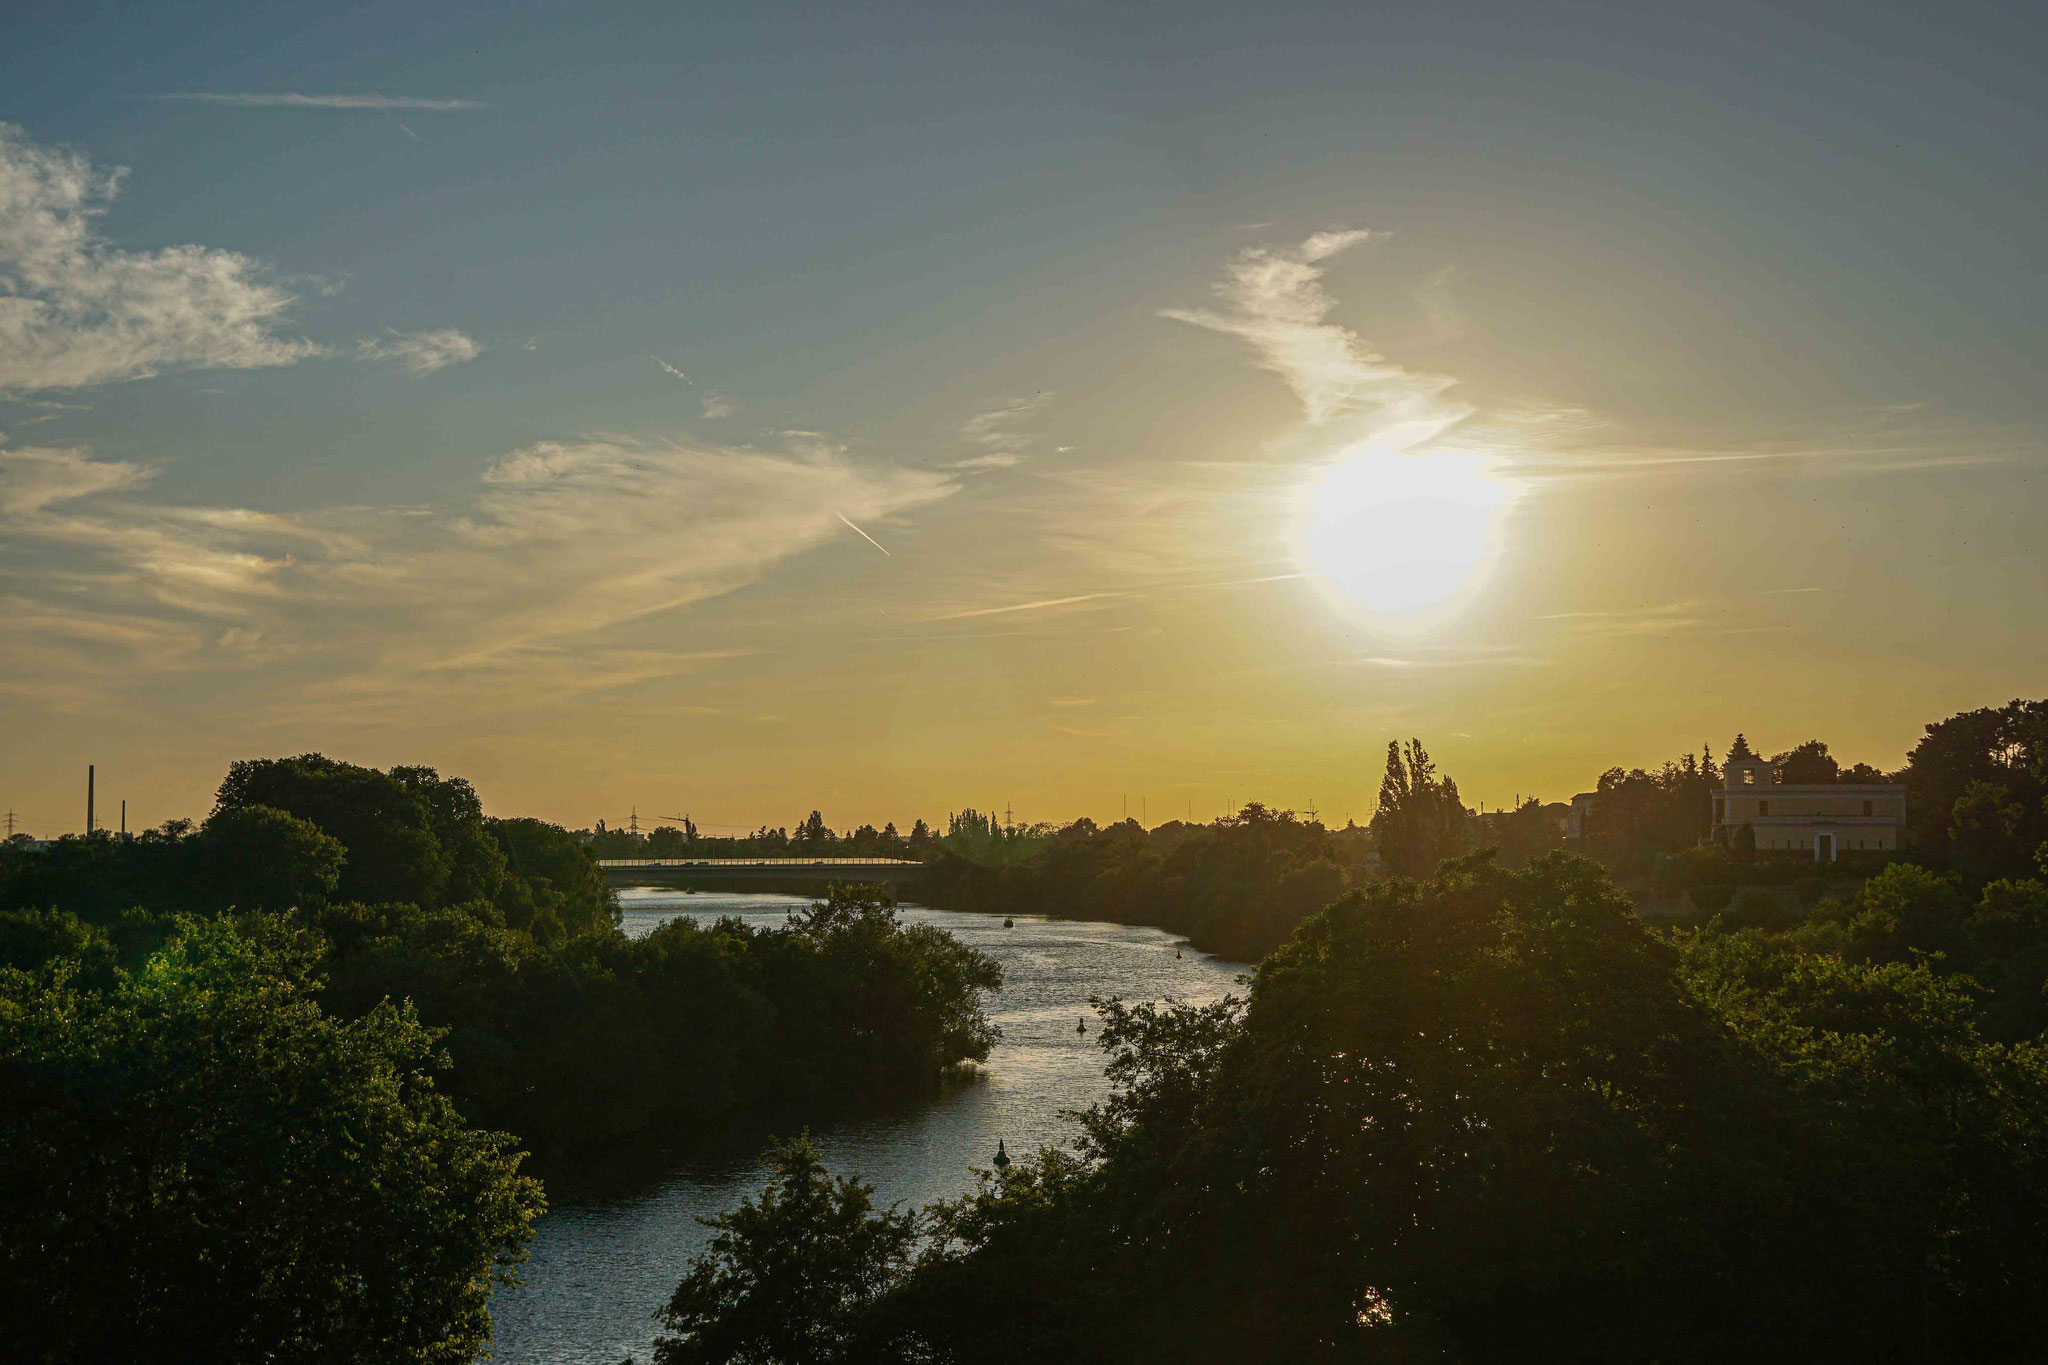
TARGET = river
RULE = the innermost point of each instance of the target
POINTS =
(606, 1257)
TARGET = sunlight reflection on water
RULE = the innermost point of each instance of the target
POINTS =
(603, 1263)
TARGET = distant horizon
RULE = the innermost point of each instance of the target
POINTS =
(1138, 808)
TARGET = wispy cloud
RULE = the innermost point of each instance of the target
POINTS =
(33, 479)
(1274, 300)
(1447, 321)
(1043, 604)
(262, 99)
(1894, 439)
(1654, 618)
(712, 405)
(1001, 433)
(514, 590)
(75, 310)
(421, 352)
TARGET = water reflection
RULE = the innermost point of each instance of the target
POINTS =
(618, 1235)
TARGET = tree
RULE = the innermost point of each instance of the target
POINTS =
(386, 824)
(201, 1165)
(1493, 1116)
(261, 858)
(1740, 750)
(561, 875)
(791, 1273)
(1808, 765)
(2002, 747)
(1421, 819)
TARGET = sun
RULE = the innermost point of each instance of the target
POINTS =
(1403, 540)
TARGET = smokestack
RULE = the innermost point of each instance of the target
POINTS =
(88, 798)
(124, 817)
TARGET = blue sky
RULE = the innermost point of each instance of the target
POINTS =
(1745, 303)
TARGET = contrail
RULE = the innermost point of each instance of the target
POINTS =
(680, 375)
(862, 534)
(294, 100)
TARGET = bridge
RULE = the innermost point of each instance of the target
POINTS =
(709, 872)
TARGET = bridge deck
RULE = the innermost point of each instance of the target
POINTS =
(762, 871)
(758, 862)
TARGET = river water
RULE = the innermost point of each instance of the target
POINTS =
(610, 1249)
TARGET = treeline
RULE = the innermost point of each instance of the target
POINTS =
(1488, 1116)
(1235, 886)
(1976, 793)
(205, 1032)
(979, 835)
(1239, 885)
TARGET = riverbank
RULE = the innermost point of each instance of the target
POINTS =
(611, 1248)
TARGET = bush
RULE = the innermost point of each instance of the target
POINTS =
(201, 1165)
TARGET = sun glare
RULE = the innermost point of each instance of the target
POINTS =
(1403, 540)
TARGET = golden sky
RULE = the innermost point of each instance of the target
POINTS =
(1014, 424)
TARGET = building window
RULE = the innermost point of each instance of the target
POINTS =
(1749, 777)
(1870, 808)
(1763, 808)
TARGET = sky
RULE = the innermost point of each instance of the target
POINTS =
(1069, 409)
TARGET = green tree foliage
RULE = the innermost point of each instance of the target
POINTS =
(561, 1029)
(1639, 816)
(202, 1165)
(1808, 765)
(793, 1274)
(1421, 820)
(1236, 887)
(261, 858)
(1492, 1116)
(387, 824)
(606, 1036)
(1976, 785)
(556, 889)
(256, 857)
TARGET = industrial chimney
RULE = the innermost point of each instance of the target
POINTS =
(88, 798)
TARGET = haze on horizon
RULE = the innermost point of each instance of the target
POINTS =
(896, 411)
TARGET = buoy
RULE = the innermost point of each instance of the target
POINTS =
(1081, 1027)
(1009, 924)
(1176, 952)
(1002, 1161)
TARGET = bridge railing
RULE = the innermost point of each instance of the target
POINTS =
(758, 862)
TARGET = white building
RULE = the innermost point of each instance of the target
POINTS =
(1825, 819)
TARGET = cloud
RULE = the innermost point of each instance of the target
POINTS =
(1446, 320)
(1043, 604)
(76, 310)
(1895, 439)
(249, 99)
(421, 352)
(1001, 433)
(1274, 300)
(33, 479)
(713, 405)
(560, 543)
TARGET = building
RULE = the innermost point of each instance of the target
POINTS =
(1578, 821)
(1824, 819)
